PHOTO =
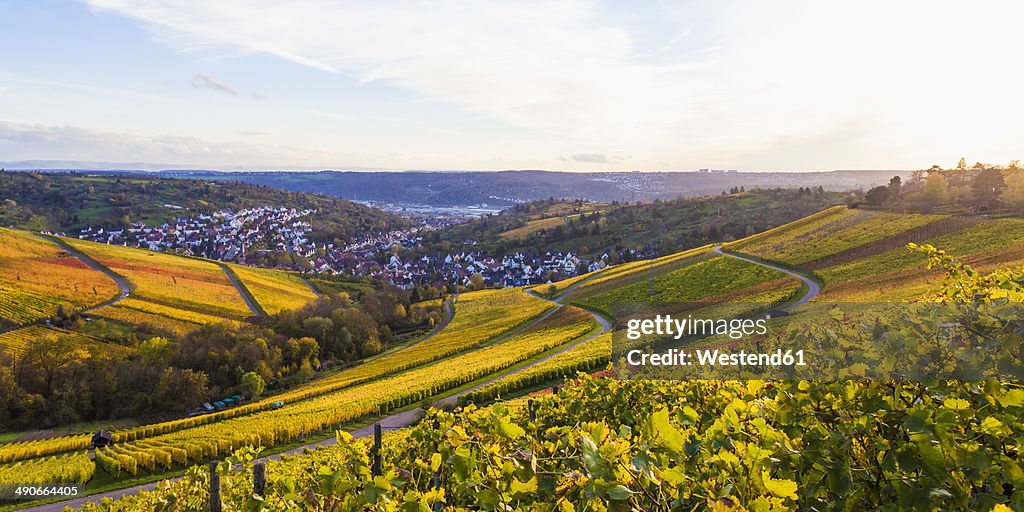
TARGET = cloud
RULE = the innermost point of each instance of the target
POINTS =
(596, 158)
(552, 66)
(328, 115)
(206, 81)
(38, 141)
(259, 96)
(575, 73)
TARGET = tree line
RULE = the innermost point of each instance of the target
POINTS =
(964, 188)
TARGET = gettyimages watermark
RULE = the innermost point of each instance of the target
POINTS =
(818, 341)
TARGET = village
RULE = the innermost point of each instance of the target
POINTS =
(279, 237)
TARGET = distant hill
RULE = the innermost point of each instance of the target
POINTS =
(498, 188)
(69, 200)
(505, 188)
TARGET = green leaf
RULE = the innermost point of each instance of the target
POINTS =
(664, 434)
(993, 427)
(1012, 398)
(619, 492)
(507, 429)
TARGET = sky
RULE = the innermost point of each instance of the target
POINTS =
(574, 85)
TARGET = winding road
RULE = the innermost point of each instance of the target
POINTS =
(813, 288)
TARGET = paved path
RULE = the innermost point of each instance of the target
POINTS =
(812, 287)
(310, 285)
(126, 289)
(250, 301)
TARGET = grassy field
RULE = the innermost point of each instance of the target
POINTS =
(36, 276)
(161, 281)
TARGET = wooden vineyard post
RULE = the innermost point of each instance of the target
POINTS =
(215, 505)
(259, 478)
(530, 408)
(377, 442)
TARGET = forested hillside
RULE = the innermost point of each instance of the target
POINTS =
(629, 231)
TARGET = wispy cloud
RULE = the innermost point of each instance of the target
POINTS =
(569, 74)
(328, 115)
(596, 158)
(78, 87)
(39, 141)
(208, 82)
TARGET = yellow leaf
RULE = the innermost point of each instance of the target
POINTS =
(782, 488)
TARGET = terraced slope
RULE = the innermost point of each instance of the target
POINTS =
(706, 280)
(828, 233)
(274, 291)
(897, 274)
(36, 276)
(16, 342)
(167, 290)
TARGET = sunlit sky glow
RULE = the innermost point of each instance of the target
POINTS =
(561, 85)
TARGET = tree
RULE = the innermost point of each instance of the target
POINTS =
(180, 389)
(252, 385)
(894, 187)
(961, 165)
(936, 191)
(48, 356)
(1014, 193)
(987, 188)
(477, 281)
(877, 196)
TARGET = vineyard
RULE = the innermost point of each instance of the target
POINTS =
(900, 274)
(72, 468)
(36, 276)
(836, 230)
(274, 291)
(701, 280)
(598, 443)
(16, 342)
(165, 445)
(584, 357)
(650, 445)
(169, 281)
(481, 317)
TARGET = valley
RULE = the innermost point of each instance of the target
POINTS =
(460, 373)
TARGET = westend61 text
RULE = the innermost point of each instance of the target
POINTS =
(677, 357)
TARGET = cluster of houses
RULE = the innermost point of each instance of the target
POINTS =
(223, 235)
(517, 269)
(375, 257)
(242, 236)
